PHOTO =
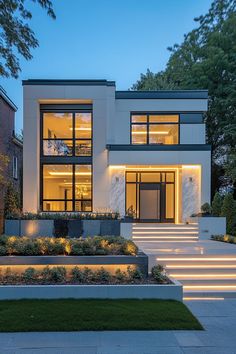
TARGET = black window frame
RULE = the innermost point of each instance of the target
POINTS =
(73, 138)
(65, 159)
(147, 123)
(162, 183)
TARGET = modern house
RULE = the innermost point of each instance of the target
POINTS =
(88, 147)
(11, 147)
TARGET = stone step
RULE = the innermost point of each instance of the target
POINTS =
(206, 282)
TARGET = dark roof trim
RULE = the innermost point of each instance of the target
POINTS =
(163, 94)
(68, 82)
(179, 147)
(3, 94)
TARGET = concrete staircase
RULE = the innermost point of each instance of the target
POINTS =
(202, 275)
(164, 233)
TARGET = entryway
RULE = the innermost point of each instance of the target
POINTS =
(150, 196)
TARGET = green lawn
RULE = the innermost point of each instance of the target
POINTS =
(94, 315)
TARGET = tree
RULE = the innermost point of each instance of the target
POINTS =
(12, 200)
(217, 204)
(229, 211)
(4, 160)
(15, 34)
(206, 59)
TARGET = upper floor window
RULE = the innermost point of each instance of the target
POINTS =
(154, 129)
(15, 167)
(67, 134)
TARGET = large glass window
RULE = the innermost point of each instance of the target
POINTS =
(67, 187)
(67, 134)
(155, 129)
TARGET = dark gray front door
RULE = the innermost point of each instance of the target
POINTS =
(150, 201)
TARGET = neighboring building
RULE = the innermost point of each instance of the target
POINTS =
(88, 147)
(10, 146)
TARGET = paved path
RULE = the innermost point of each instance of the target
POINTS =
(219, 337)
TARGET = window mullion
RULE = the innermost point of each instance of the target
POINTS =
(73, 189)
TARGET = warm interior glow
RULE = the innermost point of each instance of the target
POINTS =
(70, 173)
(158, 133)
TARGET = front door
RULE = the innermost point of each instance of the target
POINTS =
(156, 202)
(150, 201)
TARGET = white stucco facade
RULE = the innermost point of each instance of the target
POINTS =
(113, 155)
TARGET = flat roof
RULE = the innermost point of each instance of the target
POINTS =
(158, 94)
(163, 94)
(74, 82)
(3, 94)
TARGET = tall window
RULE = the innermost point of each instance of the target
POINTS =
(66, 158)
(154, 129)
(15, 167)
(67, 134)
(67, 187)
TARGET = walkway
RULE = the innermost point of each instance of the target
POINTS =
(218, 318)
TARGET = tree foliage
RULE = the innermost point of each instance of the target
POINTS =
(229, 211)
(4, 160)
(217, 204)
(11, 200)
(16, 37)
(206, 60)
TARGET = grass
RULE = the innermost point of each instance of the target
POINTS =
(95, 315)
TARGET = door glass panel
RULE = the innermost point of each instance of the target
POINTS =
(131, 199)
(150, 177)
(57, 125)
(139, 134)
(169, 201)
(131, 177)
(169, 177)
(149, 204)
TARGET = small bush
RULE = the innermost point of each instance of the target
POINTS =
(206, 208)
(77, 275)
(3, 250)
(120, 276)
(217, 204)
(54, 274)
(30, 275)
(229, 211)
(158, 273)
(102, 275)
(134, 273)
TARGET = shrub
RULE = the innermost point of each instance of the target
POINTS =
(30, 275)
(14, 245)
(9, 276)
(88, 275)
(120, 276)
(217, 204)
(206, 208)
(11, 200)
(102, 275)
(134, 273)
(54, 274)
(157, 273)
(229, 211)
(77, 275)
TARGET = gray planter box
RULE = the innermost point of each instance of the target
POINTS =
(210, 225)
(141, 261)
(144, 291)
(76, 228)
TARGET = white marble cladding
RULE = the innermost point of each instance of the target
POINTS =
(190, 192)
(117, 191)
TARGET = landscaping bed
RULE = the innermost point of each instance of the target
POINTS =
(224, 238)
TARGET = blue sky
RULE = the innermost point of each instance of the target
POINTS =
(105, 39)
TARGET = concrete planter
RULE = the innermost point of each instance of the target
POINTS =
(76, 228)
(126, 230)
(144, 291)
(210, 225)
(141, 261)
